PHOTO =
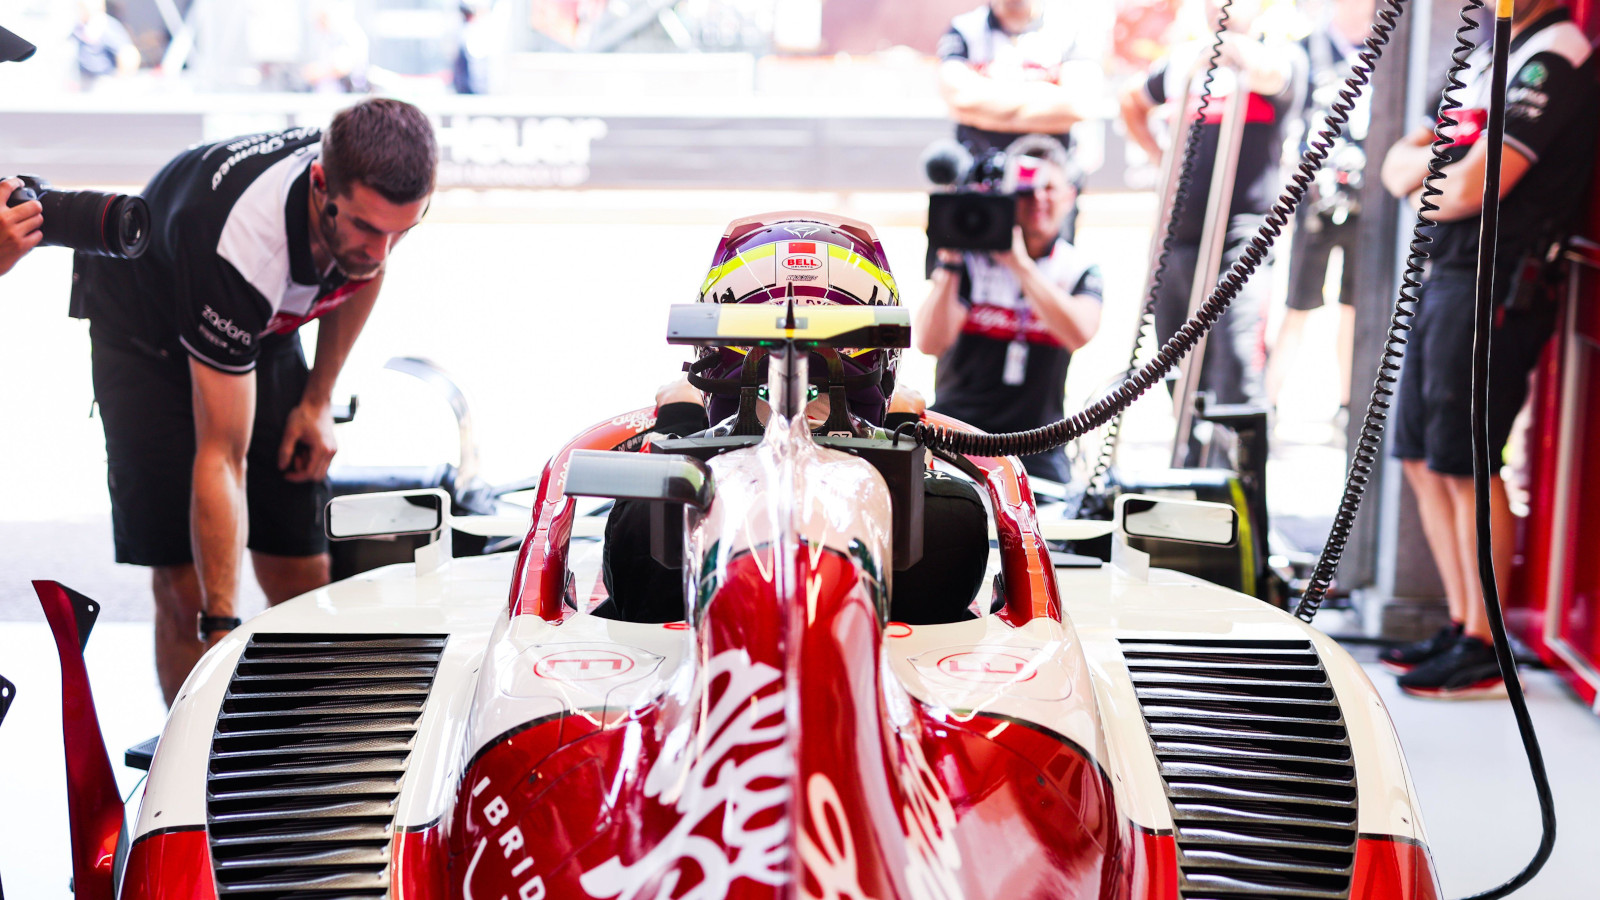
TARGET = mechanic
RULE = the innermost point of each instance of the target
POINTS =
(1326, 221)
(1231, 369)
(1005, 325)
(1000, 75)
(218, 435)
(20, 224)
(1552, 120)
(853, 271)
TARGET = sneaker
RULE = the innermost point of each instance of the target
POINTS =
(1406, 657)
(1465, 671)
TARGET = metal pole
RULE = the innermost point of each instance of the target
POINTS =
(1208, 266)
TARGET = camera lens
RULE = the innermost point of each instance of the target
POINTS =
(95, 222)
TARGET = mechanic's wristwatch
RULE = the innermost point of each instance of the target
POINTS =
(210, 625)
(952, 266)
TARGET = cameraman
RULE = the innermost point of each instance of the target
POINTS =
(1005, 325)
(218, 435)
(999, 74)
(19, 225)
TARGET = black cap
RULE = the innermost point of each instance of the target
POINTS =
(13, 48)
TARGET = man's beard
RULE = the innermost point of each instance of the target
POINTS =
(351, 269)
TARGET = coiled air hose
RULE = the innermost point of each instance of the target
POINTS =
(1119, 398)
(1147, 315)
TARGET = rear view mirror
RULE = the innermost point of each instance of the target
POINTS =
(388, 514)
(1194, 521)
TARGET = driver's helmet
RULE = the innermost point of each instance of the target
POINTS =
(820, 259)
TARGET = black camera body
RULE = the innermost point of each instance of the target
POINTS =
(976, 213)
(90, 222)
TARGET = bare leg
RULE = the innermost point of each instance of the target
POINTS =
(1346, 350)
(178, 647)
(284, 577)
(1436, 507)
(1502, 526)
(1291, 333)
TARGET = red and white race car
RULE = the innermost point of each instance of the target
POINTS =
(469, 728)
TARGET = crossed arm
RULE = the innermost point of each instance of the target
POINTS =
(1023, 107)
(1406, 165)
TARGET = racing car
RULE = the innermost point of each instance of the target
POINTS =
(483, 727)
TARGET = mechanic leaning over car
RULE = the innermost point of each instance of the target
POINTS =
(1005, 325)
(1551, 126)
(19, 225)
(218, 435)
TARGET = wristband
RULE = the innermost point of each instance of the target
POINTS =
(952, 266)
(209, 625)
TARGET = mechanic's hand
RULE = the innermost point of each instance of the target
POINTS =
(947, 255)
(308, 444)
(19, 226)
(907, 399)
(679, 390)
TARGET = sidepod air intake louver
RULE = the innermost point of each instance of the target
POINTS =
(307, 759)
(1257, 765)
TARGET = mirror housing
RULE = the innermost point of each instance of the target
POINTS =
(1191, 521)
(386, 514)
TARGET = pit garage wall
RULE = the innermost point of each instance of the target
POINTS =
(1554, 599)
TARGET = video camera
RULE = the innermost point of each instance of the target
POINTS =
(91, 222)
(978, 213)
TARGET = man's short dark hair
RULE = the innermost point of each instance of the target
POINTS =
(387, 145)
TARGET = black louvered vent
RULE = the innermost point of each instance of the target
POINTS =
(307, 759)
(1257, 766)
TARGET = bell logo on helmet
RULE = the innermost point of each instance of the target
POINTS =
(803, 263)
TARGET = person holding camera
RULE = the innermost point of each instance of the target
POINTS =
(1005, 325)
(20, 224)
(218, 435)
(1552, 124)
(1231, 369)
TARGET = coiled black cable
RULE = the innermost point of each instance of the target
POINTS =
(1364, 459)
(1119, 398)
(1180, 198)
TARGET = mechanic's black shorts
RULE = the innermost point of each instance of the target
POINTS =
(1308, 263)
(146, 405)
(1434, 418)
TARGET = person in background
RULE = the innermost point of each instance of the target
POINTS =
(20, 224)
(1005, 325)
(1325, 223)
(1551, 126)
(104, 47)
(999, 75)
(339, 51)
(1270, 69)
(469, 75)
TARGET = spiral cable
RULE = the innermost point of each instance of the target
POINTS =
(1147, 315)
(1119, 398)
(1364, 459)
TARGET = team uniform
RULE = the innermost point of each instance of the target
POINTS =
(977, 39)
(1006, 371)
(227, 279)
(1232, 368)
(1325, 220)
(1552, 118)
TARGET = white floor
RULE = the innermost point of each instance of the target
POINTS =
(1465, 758)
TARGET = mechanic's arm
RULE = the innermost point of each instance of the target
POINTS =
(1013, 107)
(1070, 319)
(1462, 186)
(224, 408)
(1265, 68)
(1136, 108)
(19, 226)
(311, 423)
(938, 321)
(1406, 163)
